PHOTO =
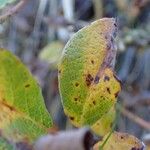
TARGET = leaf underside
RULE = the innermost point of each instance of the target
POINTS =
(87, 83)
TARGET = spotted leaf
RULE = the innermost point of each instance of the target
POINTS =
(87, 83)
(23, 114)
(120, 141)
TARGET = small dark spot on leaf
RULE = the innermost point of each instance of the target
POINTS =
(108, 46)
(108, 90)
(106, 78)
(92, 61)
(89, 79)
(96, 80)
(115, 24)
(71, 118)
(122, 137)
(116, 94)
(76, 84)
(94, 102)
(27, 85)
(59, 71)
(76, 99)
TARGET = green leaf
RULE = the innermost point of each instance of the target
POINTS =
(120, 141)
(87, 83)
(23, 114)
(3, 3)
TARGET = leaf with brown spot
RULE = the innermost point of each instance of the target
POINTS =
(88, 59)
(23, 114)
(120, 141)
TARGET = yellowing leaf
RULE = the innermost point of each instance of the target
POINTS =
(87, 83)
(23, 114)
(120, 141)
(103, 125)
(52, 52)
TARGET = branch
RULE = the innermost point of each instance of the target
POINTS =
(135, 118)
(98, 8)
(130, 100)
(13, 10)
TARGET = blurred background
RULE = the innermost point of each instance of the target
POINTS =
(39, 31)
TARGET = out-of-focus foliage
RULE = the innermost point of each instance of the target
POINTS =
(139, 37)
(5, 2)
(130, 9)
(52, 52)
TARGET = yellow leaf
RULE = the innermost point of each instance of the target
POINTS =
(120, 141)
(103, 125)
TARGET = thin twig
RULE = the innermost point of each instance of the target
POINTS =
(13, 10)
(135, 118)
(98, 8)
(129, 100)
(38, 21)
(68, 9)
